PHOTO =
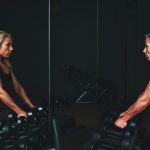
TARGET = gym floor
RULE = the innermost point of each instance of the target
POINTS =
(88, 119)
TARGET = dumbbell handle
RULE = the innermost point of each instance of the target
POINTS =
(116, 133)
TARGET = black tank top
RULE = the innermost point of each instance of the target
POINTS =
(6, 79)
(7, 82)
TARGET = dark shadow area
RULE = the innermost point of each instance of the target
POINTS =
(97, 65)
(27, 22)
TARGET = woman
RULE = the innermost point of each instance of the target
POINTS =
(8, 78)
(143, 100)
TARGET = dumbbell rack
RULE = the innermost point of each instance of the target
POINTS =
(21, 134)
(110, 137)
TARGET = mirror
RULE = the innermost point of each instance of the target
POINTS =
(27, 22)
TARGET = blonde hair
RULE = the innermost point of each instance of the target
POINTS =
(3, 35)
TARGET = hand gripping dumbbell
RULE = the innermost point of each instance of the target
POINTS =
(112, 135)
(9, 132)
(19, 125)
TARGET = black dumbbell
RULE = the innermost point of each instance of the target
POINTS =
(110, 131)
(104, 146)
(114, 134)
(22, 124)
(5, 131)
(38, 114)
(24, 144)
(12, 118)
(42, 113)
(32, 119)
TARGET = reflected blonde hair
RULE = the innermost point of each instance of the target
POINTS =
(3, 35)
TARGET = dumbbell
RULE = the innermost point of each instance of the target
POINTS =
(109, 122)
(33, 140)
(32, 119)
(9, 147)
(128, 135)
(95, 143)
(24, 144)
(18, 125)
(37, 114)
(41, 113)
(110, 137)
(22, 125)
(115, 142)
(5, 131)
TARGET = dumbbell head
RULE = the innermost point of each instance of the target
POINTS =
(22, 124)
(42, 112)
(39, 112)
(31, 118)
(5, 130)
(12, 118)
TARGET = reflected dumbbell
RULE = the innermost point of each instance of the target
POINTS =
(24, 133)
(40, 113)
(5, 131)
(22, 125)
(32, 119)
(24, 144)
(18, 125)
(37, 114)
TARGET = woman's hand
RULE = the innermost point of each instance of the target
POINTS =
(121, 123)
(22, 114)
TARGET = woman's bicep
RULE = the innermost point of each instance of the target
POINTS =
(15, 81)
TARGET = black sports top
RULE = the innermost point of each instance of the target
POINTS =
(7, 84)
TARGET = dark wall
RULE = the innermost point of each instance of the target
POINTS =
(117, 57)
(27, 21)
(137, 67)
(74, 41)
(88, 36)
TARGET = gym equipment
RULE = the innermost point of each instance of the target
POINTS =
(25, 133)
(91, 88)
(110, 137)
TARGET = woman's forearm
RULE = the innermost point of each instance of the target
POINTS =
(131, 107)
(21, 92)
(7, 100)
(135, 109)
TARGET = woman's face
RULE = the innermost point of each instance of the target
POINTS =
(6, 47)
(146, 50)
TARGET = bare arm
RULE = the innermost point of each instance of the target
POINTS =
(20, 90)
(136, 108)
(140, 104)
(131, 107)
(6, 99)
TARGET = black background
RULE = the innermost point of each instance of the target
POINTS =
(103, 38)
(27, 21)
